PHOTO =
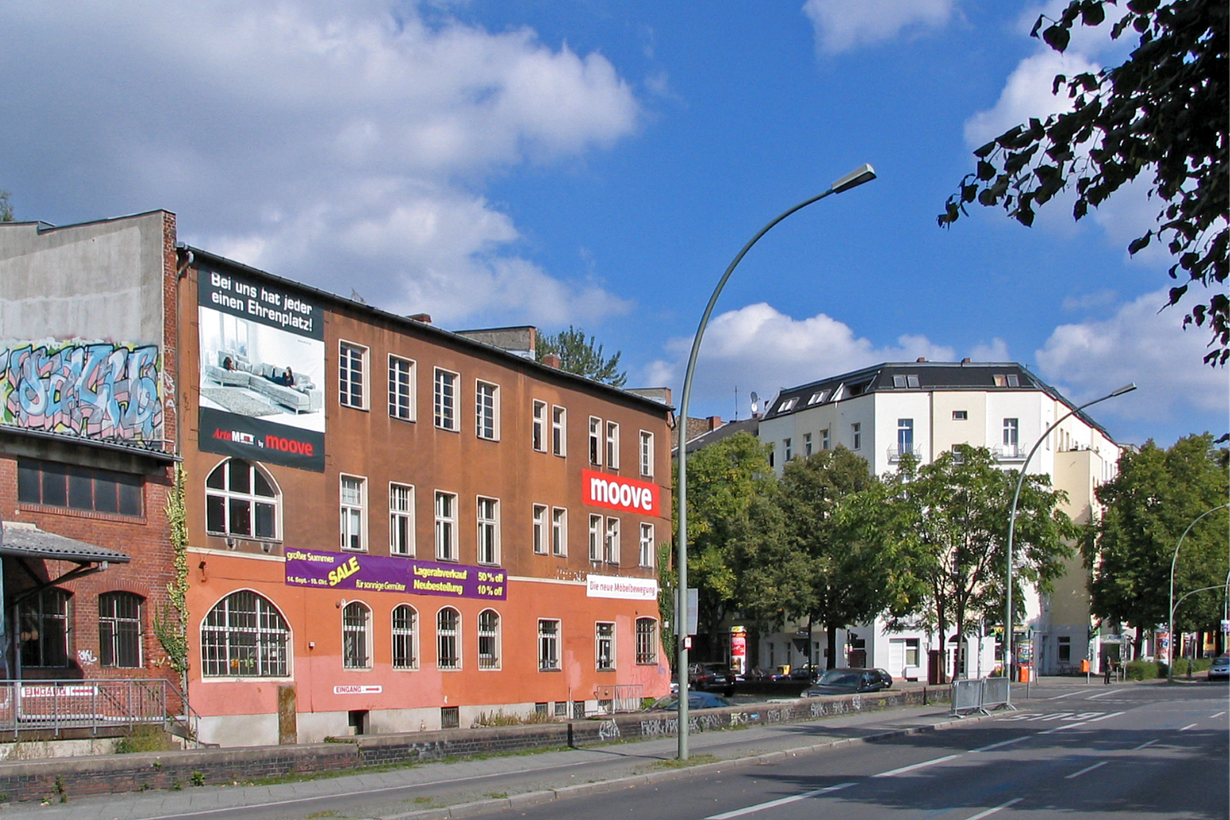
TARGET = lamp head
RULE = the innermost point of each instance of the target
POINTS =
(1127, 388)
(861, 174)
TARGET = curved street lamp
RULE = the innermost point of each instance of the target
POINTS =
(1173, 561)
(1009, 657)
(864, 173)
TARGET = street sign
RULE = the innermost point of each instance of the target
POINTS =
(1225, 627)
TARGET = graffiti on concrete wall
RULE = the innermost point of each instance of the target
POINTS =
(93, 389)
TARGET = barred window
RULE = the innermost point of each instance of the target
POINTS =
(646, 641)
(604, 646)
(488, 639)
(244, 635)
(356, 636)
(119, 630)
(448, 639)
(405, 637)
(548, 646)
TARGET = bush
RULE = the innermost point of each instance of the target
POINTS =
(1144, 670)
(1197, 665)
(145, 738)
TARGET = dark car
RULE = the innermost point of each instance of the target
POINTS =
(885, 678)
(1220, 670)
(846, 682)
(696, 700)
(711, 677)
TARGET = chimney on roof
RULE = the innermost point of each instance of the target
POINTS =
(425, 318)
(714, 422)
(921, 359)
(966, 360)
(551, 360)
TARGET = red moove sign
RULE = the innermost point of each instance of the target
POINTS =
(605, 490)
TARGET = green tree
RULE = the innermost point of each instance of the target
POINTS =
(6, 206)
(1161, 112)
(951, 521)
(735, 532)
(582, 356)
(1157, 494)
(847, 572)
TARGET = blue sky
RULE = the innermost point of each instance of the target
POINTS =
(599, 163)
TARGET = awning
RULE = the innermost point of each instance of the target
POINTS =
(24, 540)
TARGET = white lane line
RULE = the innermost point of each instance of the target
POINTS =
(1189, 726)
(1082, 723)
(1000, 807)
(922, 765)
(1001, 743)
(1219, 714)
(1101, 694)
(775, 803)
(1057, 697)
(1086, 769)
(1144, 745)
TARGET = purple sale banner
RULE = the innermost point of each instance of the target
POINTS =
(377, 573)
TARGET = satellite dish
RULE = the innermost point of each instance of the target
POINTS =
(755, 401)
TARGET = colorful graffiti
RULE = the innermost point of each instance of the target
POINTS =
(93, 389)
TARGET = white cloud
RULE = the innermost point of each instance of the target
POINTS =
(1027, 93)
(758, 348)
(842, 25)
(345, 145)
(1138, 344)
(996, 351)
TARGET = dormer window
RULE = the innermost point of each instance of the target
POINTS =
(905, 381)
(818, 397)
(787, 405)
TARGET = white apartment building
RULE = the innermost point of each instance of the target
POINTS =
(926, 408)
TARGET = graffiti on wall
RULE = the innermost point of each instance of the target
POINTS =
(93, 389)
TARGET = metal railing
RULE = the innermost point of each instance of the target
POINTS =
(96, 705)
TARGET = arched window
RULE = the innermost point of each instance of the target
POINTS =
(241, 500)
(119, 630)
(405, 637)
(44, 628)
(448, 639)
(244, 635)
(356, 636)
(488, 639)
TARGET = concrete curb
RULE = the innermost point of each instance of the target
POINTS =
(478, 807)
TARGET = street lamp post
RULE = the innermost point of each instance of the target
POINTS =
(1173, 562)
(1016, 495)
(864, 173)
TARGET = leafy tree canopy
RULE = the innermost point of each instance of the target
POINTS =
(582, 356)
(6, 206)
(1162, 112)
(1157, 494)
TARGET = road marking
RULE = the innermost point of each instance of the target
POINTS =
(1082, 723)
(1065, 695)
(922, 765)
(997, 745)
(1144, 745)
(1000, 807)
(1101, 694)
(775, 803)
(1219, 714)
(1097, 765)
(1189, 726)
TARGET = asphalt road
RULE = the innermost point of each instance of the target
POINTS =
(1127, 752)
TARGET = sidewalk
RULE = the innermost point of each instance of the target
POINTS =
(463, 787)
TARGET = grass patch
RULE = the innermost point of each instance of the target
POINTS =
(694, 760)
(145, 738)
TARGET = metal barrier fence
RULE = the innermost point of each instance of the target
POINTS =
(96, 705)
(979, 695)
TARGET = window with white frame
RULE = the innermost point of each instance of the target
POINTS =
(787, 449)
(351, 377)
(595, 440)
(612, 445)
(487, 410)
(824, 439)
(488, 639)
(612, 541)
(806, 445)
(604, 646)
(401, 519)
(444, 394)
(354, 512)
(446, 526)
(405, 637)
(856, 436)
(647, 545)
(960, 415)
(548, 645)
(646, 641)
(401, 388)
(559, 430)
(559, 532)
(905, 436)
(241, 500)
(540, 529)
(448, 639)
(356, 636)
(539, 428)
(646, 454)
(120, 630)
(1011, 435)
(244, 635)
(595, 538)
(488, 530)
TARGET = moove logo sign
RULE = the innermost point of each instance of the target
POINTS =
(603, 490)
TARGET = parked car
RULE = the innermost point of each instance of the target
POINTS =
(885, 678)
(846, 682)
(711, 677)
(805, 673)
(1220, 670)
(696, 700)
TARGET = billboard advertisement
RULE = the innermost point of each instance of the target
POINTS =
(262, 371)
(616, 493)
(378, 573)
